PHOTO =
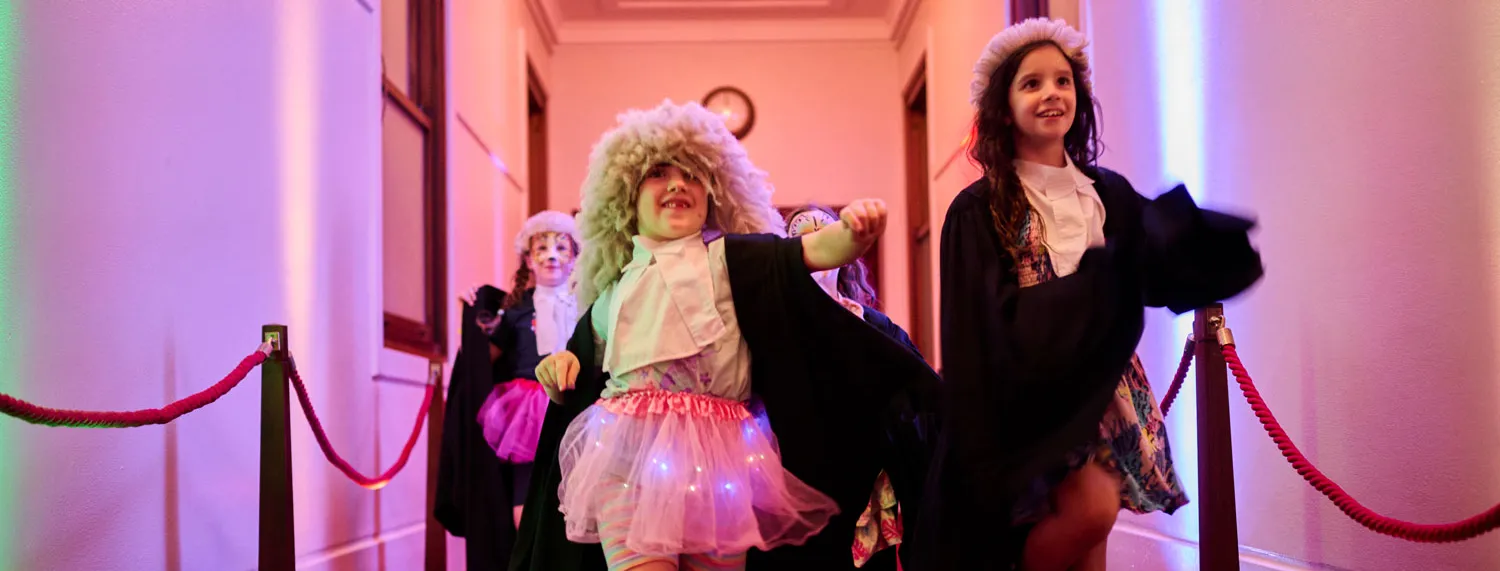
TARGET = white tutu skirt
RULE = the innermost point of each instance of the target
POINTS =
(674, 473)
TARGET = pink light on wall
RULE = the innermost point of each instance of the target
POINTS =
(1486, 18)
(297, 134)
(297, 146)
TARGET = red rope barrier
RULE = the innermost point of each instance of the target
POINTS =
(1469, 528)
(129, 419)
(364, 481)
(1182, 370)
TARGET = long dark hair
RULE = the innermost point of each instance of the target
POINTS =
(994, 143)
(519, 286)
(854, 277)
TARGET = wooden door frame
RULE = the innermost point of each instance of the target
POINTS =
(536, 151)
(918, 198)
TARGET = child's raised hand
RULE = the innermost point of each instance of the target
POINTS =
(557, 373)
(865, 218)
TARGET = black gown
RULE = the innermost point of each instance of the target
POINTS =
(473, 495)
(1029, 372)
(882, 323)
(899, 430)
(845, 401)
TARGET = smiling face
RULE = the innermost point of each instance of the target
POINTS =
(551, 258)
(1043, 100)
(671, 203)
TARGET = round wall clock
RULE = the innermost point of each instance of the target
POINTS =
(734, 106)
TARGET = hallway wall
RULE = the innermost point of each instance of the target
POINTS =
(175, 175)
(182, 175)
(1361, 134)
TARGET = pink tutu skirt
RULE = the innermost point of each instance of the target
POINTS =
(512, 419)
(675, 473)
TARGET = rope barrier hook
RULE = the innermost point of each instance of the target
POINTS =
(1221, 330)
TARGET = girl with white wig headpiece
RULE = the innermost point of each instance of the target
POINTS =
(536, 319)
(694, 298)
(1052, 427)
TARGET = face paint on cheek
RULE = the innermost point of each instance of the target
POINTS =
(552, 247)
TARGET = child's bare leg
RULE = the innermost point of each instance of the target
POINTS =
(1087, 503)
(520, 478)
(1094, 559)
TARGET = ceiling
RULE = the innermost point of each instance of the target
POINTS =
(634, 10)
(627, 21)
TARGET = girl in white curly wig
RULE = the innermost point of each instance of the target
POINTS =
(668, 468)
(1054, 427)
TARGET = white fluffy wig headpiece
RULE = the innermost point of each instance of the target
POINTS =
(1022, 34)
(689, 136)
(547, 221)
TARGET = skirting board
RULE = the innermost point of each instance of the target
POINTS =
(1135, 547)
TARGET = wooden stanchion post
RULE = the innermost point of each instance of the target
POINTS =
(1218, 531)
(436, 543)
(278, 548)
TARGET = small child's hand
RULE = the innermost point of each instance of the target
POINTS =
(865, 218)
(557, 373)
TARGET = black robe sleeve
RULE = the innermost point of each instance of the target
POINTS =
(881, 322)
(542, 542)
(832, 386)
(1195, 257)
(515, 336)
(1019, 359)
(1028, 372)
(473, 491)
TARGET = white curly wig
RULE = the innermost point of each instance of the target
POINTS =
(689, 136)
(546, 221)
(1022, 34)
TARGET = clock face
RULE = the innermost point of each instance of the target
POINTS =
(734, 107)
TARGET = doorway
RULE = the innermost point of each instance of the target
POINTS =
(536, 142)
(919, 226)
